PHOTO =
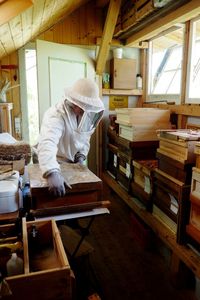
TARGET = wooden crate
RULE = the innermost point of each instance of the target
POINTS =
(47, 273)
(86, 190)
(179, 144)
(174, 168)
(193, 227)
(142, 180)
(171, 203)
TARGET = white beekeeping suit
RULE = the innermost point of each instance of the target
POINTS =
(66, 130)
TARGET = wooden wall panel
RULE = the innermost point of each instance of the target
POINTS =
(82, 27)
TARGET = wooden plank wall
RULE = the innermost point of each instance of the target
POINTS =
(82, 27)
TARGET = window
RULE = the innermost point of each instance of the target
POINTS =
(165, 66)
(193, 86)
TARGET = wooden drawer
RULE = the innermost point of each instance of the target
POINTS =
(171, 196)
(47, 273)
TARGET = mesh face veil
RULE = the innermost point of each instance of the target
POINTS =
(84, 94)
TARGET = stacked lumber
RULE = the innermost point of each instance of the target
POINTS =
(141, 124)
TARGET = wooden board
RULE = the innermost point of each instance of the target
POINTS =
(86, 187)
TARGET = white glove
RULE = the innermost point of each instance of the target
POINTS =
(57, 184)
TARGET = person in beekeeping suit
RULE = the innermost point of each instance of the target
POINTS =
(66, 130)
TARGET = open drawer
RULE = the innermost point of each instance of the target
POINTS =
(47, 273)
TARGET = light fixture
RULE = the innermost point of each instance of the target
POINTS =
(11, 8)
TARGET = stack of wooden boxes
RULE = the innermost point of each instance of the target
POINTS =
(136, 141)
(142, 181)
(172, 183)
(193, 228)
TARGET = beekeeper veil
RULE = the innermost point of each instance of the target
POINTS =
(84, 94)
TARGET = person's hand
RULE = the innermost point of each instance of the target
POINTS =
(79, 158)
(57, 184)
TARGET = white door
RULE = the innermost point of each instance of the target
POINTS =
(58, 66)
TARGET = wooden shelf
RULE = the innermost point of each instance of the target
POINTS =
(183, 252)
(134, 92)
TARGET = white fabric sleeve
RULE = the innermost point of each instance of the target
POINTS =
(50, 134)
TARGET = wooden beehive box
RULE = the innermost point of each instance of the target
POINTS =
(47, 273)
(139, 149)
(132, 127)
(86, 190)
(179, 144)
(175, 168)
(142, 180)
(171, 203)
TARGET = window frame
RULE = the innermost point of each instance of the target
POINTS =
(159, 98)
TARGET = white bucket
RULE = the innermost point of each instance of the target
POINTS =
(117, 52)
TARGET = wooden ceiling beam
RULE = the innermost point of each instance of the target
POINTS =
(109, 27)
(181, 14)
(101, 3)
(11, 8)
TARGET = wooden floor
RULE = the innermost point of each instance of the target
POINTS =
(120, 268)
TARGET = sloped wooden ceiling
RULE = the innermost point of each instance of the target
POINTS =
(27, 25)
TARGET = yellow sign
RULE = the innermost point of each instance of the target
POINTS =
(118, 102)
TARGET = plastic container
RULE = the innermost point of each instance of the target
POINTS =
(139, 81)
(15, 265)
(117, 52)
(9, 194)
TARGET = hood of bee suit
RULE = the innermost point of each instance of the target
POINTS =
(85, 93)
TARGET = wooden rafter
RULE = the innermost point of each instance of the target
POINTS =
(109, 27)
(181, 14)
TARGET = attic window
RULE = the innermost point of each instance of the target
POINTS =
(165, 65)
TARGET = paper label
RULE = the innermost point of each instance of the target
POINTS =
(174, 204)
(147, 185)
(115, 161)
(128, 170)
